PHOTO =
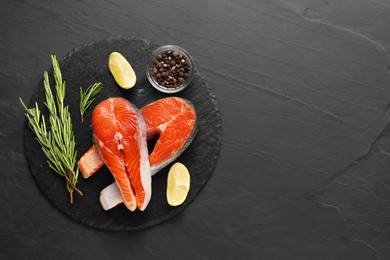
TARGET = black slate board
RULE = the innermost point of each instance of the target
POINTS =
(87, 65)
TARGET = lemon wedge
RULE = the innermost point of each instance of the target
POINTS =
(122, 71)
(178, 184)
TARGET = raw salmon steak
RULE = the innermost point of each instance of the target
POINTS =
(173, 120)
(119, 133)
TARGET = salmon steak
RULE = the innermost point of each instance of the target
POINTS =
(119, 135)
(173, 121)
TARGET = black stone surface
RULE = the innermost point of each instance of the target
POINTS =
(87, 65)
(303, 88)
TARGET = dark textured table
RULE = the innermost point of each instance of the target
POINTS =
(303, 88)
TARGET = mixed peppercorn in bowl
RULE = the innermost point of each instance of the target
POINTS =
(170, 69)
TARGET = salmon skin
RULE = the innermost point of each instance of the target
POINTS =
(119, 134)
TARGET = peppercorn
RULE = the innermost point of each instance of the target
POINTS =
(181, 80)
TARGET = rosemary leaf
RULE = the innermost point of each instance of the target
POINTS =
(87, 97)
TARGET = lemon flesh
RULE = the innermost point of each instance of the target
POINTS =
(178, 184)
(121, 70)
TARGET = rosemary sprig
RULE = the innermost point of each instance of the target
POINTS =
(87, 97)
(58, 143)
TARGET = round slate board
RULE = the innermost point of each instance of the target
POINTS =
(87, 65)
